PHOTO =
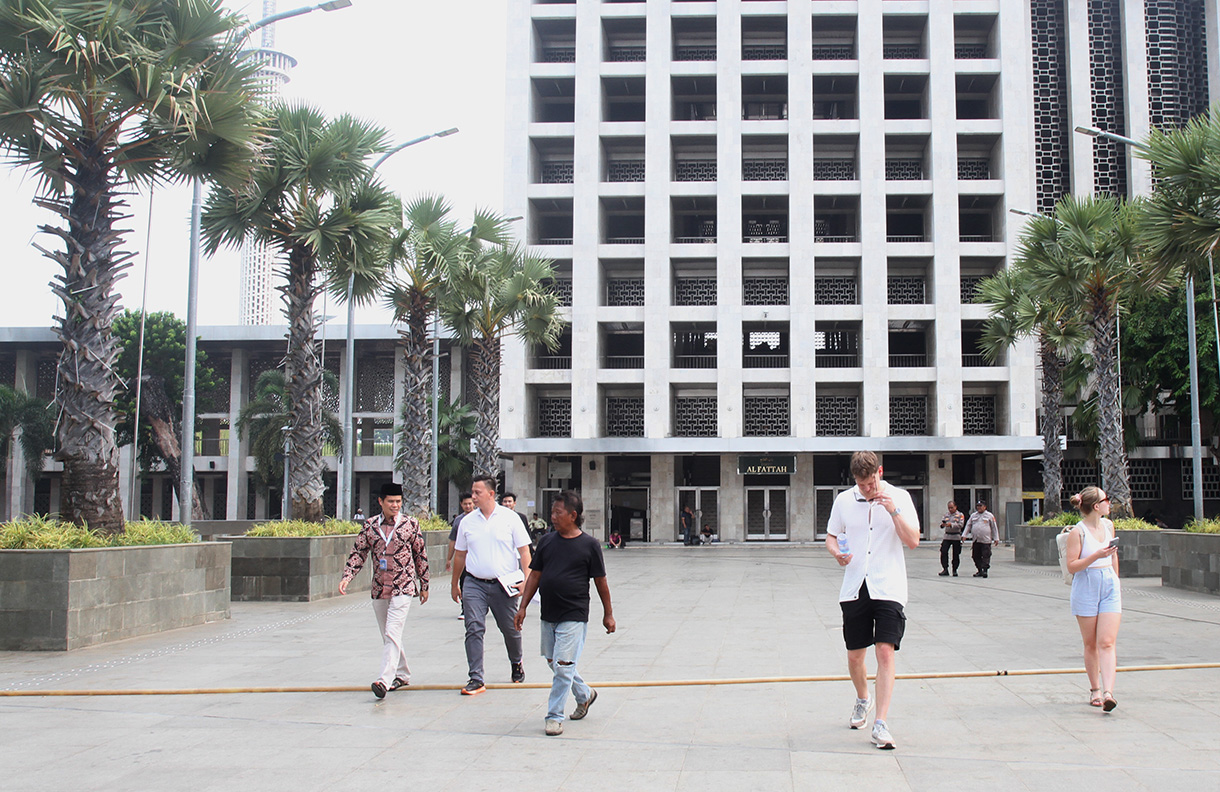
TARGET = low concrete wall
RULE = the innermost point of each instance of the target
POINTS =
(68, 599)
(1035, 544)
(208, 530)
(1139, 553)
(1191, 561)
(438, 545)
(291, 568)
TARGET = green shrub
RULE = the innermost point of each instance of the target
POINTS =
(1062, 518)
(304, 528)
(1134, 524)
(1211, 526)
(435, 523)
(47, 533)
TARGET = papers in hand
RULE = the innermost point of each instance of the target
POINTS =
(512, 582)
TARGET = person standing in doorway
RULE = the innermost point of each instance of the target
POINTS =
(868, 528)
(493, 547)
(983, 529)
(400, 557)
(952, 524)
(686, 525)
(566, 561)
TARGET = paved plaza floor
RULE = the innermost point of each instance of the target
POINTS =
(723, 612)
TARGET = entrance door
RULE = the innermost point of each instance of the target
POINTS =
(628, 507)
(704, 503)
(766, 513)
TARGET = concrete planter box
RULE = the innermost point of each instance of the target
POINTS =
(1139, 552)
(1035, 544)
(1191, 561)
(292, 568)
(438, 544)
(67, 599)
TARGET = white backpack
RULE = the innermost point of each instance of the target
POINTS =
(1061, 542)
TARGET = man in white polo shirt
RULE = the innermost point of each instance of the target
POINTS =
(877, 519)
(493, 548)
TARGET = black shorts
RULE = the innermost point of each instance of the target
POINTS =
(867, 621)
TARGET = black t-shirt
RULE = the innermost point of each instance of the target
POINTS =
(566, 565)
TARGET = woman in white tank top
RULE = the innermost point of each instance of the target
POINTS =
(1096, 594)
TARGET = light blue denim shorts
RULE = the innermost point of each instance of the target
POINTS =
(1096, 591)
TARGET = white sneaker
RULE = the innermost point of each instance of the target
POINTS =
(554, 727)
(859, 713)
(881, 736)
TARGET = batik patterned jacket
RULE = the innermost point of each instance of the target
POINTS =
(406, 557)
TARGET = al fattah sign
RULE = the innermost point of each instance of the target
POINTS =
(766, 465)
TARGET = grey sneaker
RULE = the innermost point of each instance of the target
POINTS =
(859, 713)
(553, 728)
(881, 736)
(582, 707)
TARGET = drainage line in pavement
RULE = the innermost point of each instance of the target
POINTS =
(619, 684)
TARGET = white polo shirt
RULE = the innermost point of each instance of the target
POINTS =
(876, 550)
(491, 543)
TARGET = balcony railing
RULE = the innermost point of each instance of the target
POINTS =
(624, 240)
(695, 361)
(623, 362)
(903, 169)
(764, 111)
(906, 238)
(695, 240)
(969, 51)
(835, 238)
(558, 54)
(627, 54)
(625, 171)
(975, 360)
(555, 241)
(695, 111)
(551, 362)
(908, 361)
(838, 169)
(764, 361)
(757, 52)
(973, 169)
(836, 360)
(694, 52)
(834, 51)
(901, 51)
(775, 169)
(556, 172)
(695, 170)
(977, 238)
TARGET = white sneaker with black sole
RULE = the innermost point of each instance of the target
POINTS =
(881, 736)
(859, 713)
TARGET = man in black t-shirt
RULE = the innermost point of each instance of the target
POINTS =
(565, 562)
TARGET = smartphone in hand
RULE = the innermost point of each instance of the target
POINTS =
(1114, 542)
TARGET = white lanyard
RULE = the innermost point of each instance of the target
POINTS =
(384, 536)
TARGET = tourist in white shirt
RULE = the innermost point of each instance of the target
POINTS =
(491, 544)
(878, 519)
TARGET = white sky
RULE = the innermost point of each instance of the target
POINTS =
(413, 67)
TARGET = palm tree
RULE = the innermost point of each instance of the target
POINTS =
(96, 99)
(495, 290)
(311, 200)
(264, 417)
(423, 254)
(456, 425)
(1082, 258)
(28, 421)
(1020, 309)
(1180, 223)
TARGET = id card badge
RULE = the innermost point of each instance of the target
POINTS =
(381, 564)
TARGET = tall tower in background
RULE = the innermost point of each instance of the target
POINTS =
(256, 259)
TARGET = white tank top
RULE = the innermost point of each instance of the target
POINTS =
(1089, 545)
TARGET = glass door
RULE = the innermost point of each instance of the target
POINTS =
(766, 513)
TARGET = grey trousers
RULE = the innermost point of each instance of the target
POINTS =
(477, 598)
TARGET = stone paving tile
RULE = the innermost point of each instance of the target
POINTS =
(726, 612)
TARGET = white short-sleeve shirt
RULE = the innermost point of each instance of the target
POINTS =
(491, 543)
(876, 549)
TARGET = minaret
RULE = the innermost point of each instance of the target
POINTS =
(256, 259)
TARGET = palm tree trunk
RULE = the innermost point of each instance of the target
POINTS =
(86, 380)
(304, 378)
(414, 460)
(1052, 426)
(1113, 450)
(485, 381)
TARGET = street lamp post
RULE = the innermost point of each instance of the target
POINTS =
(186, 479)
(1196, 439)
(347, 460)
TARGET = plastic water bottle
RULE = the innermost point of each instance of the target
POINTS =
(843, 543)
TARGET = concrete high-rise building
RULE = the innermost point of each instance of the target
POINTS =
(768, 220)
(257, 272)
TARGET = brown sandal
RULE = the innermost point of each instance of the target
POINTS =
(1108, 701)
(1094, 697)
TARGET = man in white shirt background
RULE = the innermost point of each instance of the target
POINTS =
(877, 520)
(493, 549)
